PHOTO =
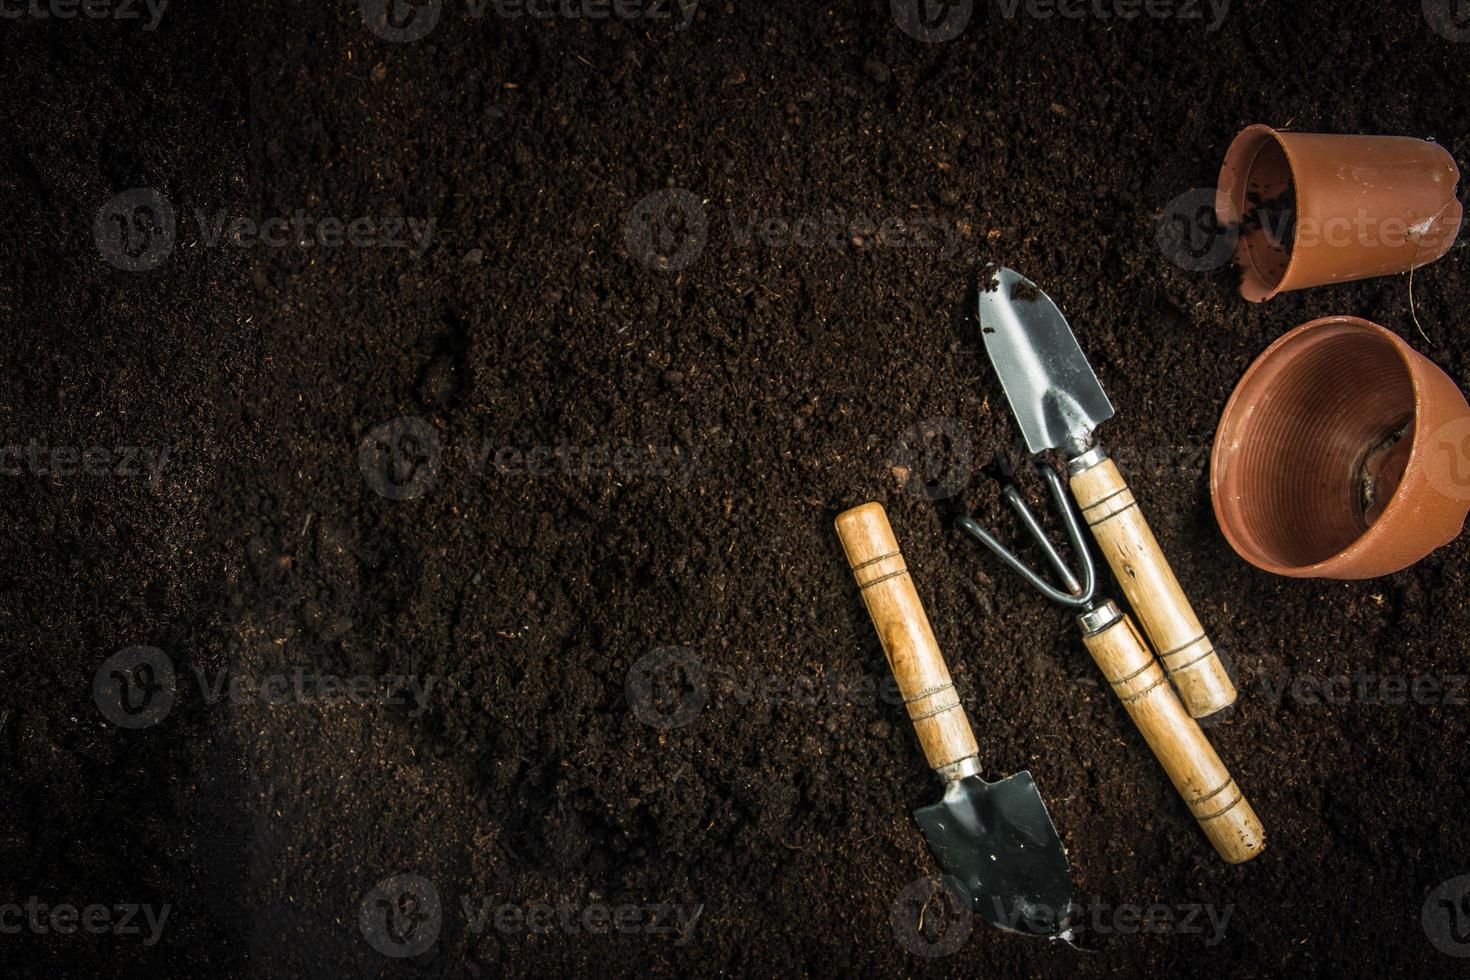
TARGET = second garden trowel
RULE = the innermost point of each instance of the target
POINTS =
(996, 838)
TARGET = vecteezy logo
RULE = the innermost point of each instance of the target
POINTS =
(135, 230)
(400, 21)
(932, 916)
(1450, 19)
(667, 229)
(934, 458)
(1449, 459)
(400, 459)
(932, 21)
(1446, 917)
(134, 688)
(1190, 234)
(667, 688)
(401, 916)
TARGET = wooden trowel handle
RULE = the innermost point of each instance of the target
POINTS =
(1181, 748)
(908, 642)
(1133, 553)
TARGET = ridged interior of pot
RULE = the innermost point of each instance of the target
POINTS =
(1299, 487)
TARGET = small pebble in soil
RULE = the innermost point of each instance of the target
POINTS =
(474, 256)
(876, 70)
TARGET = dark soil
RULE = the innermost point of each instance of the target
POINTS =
(632, 421)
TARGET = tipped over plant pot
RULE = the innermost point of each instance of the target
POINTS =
(1316, 208)
(1343, 453)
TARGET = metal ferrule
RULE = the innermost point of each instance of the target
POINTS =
(1097, 619)
(1086, 460)
(968, 766)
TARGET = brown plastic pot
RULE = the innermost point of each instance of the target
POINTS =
(1343, 453)
(1318, 208)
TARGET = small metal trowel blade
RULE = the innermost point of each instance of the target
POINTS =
(998, 840)
(1052, 389)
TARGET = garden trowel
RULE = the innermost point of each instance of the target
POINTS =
(996, 838)
(1058, 403)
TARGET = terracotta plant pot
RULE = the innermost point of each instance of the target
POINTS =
(1342, 453)
(1316, 208)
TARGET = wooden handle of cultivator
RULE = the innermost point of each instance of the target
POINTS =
(908, 642)
(1133, 553)
(1177, 742)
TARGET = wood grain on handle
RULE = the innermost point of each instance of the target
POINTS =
(1142, 570)
(908, 642)
(1201, 778)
